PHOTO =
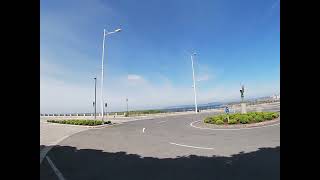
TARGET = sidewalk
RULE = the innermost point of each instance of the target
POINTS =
(52, 132)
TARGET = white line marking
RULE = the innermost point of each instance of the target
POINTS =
(58, 173)
(191, 124)
(161, 122)
(191, 146)
(45, 150)
(143, 130)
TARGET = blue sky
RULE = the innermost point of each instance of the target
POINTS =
(236, 42)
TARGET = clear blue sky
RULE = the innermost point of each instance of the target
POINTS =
(236, 41)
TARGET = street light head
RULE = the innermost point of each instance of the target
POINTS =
(117, 30)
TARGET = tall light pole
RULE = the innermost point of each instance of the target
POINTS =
(105, 105)
(194, 84)
(105, 33)
(127, 106)
(95, 98)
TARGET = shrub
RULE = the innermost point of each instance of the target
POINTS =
(258, 118)
(252, 114)
(241, 117)
(216, 118)
(236, 118)
(223, 118)
(78, 122)
(218, 122)
(232, 116)
(250, 118)
(232, 121)
(267, 116)
(208, 119)
(275, 115)
(244, 120)
(211, 120)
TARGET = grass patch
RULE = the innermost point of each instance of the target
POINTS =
(250, 117)
(83, 122)
(137, 113)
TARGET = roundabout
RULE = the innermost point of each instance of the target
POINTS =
(133, 145)
(201, 125)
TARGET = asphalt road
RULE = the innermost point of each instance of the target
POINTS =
(167, 148)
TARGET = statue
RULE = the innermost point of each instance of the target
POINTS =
(243, 105)
(242, 91)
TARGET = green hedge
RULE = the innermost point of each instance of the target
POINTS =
(219, 122)
(80, 122)
(250, 117)
(233, 121)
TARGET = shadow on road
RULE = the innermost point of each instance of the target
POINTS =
(83, 164)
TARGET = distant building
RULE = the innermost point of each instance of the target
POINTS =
(276, 97)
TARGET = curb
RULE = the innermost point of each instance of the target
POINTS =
(241, 127)
(88, 127)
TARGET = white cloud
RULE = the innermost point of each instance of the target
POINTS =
(63, 96)
(60, 94)
(203, 78)
(134, 77)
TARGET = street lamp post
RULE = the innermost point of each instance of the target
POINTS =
(95, 98)
(105, 105)
(127, 107)
(105, 33)
(194, 84)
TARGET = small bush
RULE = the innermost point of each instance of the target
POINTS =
(218, 122)
(211, 120)
(223, 118)
(232, 121)
(216, 118)
(208, 119)
(78, 122)
(250, 117)
(268, 116)
(251, 114)
(259, 118)
(232, 116)
(275, 115)
(244, 120)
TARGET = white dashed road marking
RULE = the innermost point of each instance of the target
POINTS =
(56, 171)
(143, 130)
(191, 146)
(45, 150)
(161, 122)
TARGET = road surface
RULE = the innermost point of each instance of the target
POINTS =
(166, 148)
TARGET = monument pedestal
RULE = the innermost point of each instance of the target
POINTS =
(243, 108)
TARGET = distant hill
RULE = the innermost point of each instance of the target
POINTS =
(192, 105)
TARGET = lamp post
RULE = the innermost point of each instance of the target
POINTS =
(127, 107)
(105, 33)
(105, 105)
(95, 98)
(194, 84)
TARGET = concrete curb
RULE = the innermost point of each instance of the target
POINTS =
(238, 126)
(89, 127)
